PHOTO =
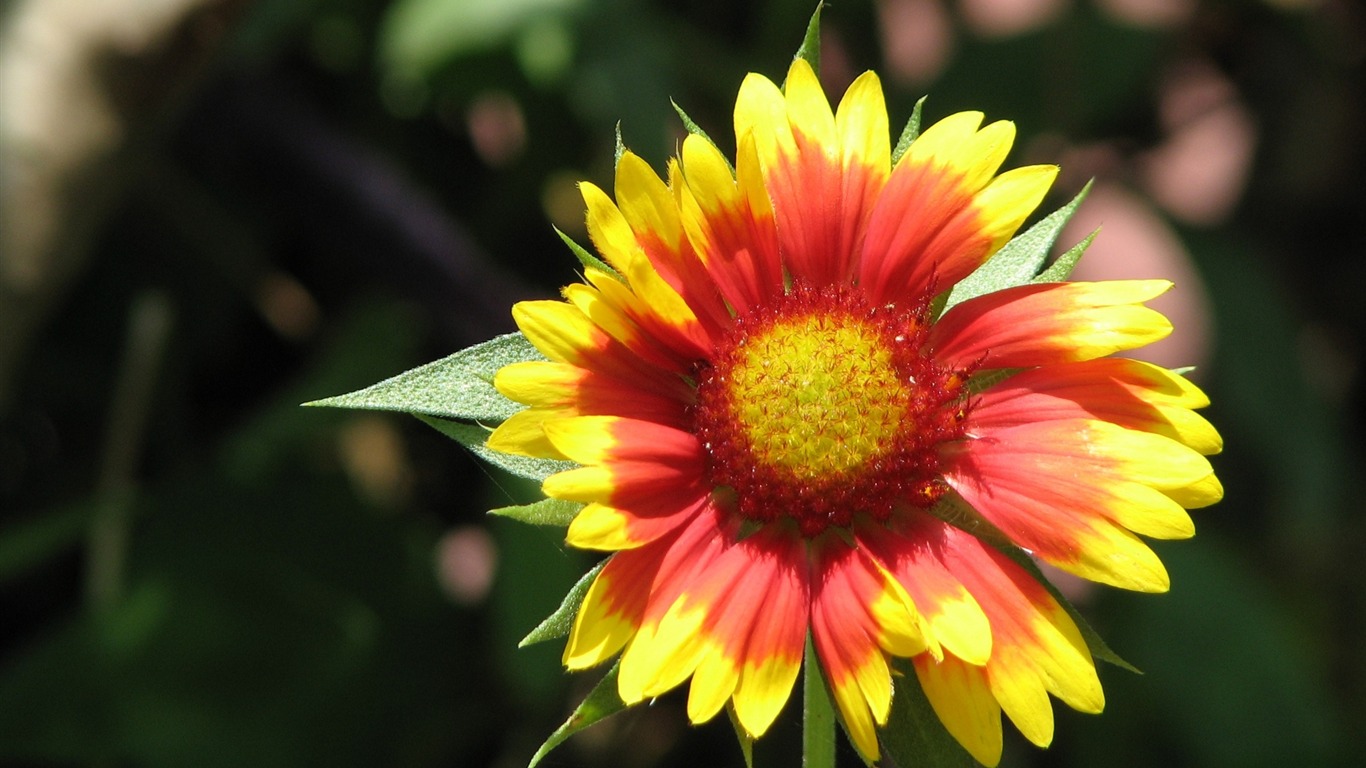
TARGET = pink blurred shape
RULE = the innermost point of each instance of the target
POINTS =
(466, 559)
(917, 39)
(1005, 18)
(1200, 171)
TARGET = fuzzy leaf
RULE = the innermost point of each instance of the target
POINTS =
(558, 624)
(619, 149)
(551, 512)
(811, 43)
(601, 703)
(588, 260)
(908, 134)
(1062, 268)
(1019, 260)
(456, 387)
(473, 436)
(914, 737)
(696, 129)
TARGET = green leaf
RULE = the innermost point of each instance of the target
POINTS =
(601, 703)
(558, 624)
(908, 134)
(619, 149)
(1062, 268)
(553, 512)
(455, 387)
(811, 43)
(588, 260)
(1020, 259)
(914, 737)
(473, 437)
(696, 130)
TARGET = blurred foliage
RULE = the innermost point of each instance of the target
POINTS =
(358, 187)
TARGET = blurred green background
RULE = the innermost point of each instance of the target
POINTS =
(214, 210)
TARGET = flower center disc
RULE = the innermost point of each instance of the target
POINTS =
(817, 395)
(820, 408)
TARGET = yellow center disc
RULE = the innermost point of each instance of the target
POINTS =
(817, 395)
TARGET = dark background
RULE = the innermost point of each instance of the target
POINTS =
(211, 215)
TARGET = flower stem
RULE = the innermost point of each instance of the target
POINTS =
(107, 540)
(818, 717)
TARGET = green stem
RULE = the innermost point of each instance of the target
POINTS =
(818, 716)
(107, 540)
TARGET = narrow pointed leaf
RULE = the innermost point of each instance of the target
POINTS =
(908, 134)
(473, 436)
(585, 258)
(551, 512)
(689, 124)
(811, 43)
(1062, 268)
(696, 129)
(602, 702)
(455, 387)
(558, 624)
(1020, 259)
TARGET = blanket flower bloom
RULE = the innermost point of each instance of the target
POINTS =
(770, 421)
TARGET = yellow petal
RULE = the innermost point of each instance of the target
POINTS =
(1023, 698)
(1149, 512)
(648, 657)
(941, 141)
(1112, 555)
(538, 382)
(523, 434)
(1201, 493)
(598, 631)
(713, 683)
(960, 626)
(808, 110)
(560, 331)
(959, 695)
(608, 228)
(584, 484)
(1009, 199)
(645, 201)
(764, 689)
(761, 114)
(861, 121)
(602, 528)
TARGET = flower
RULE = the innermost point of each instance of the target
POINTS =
(777, 436)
